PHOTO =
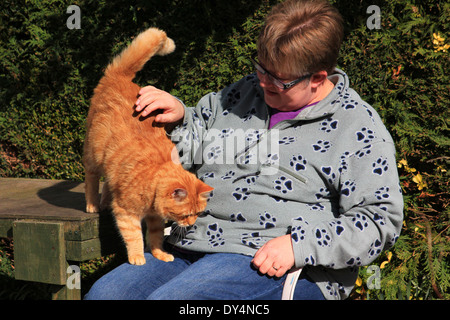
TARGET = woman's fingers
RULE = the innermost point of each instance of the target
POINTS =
(152, 99)
(275, 257)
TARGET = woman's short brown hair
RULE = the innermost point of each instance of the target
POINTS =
(300, 37)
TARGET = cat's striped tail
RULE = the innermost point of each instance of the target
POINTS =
(147, 44)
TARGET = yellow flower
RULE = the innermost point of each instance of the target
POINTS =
(438, 37)
(358, 282)
(419, 181)
(439, 43)
(384, 263)
(402, 162)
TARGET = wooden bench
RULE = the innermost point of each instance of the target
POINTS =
(51, 230)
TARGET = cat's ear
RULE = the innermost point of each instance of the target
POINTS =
(179, 194)
(204, 190)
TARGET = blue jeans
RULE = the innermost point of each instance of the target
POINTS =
(195, 276)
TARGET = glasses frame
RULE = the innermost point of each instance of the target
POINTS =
(277, 82)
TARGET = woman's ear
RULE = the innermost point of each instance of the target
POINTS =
(318, 78)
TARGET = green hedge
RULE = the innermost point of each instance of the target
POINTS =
(48, 73)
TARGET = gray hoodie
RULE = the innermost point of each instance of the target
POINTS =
(328, 177)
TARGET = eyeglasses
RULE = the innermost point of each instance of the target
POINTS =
(277, 82)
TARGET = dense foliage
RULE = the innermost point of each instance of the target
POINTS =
(48, 72)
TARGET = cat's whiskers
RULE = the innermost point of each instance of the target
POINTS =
(179, 232)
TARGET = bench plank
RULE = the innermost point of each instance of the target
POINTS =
(43, 199)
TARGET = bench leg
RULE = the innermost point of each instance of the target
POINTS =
(40, 256)
(64, 293)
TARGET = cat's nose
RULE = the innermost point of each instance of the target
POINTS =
(182, 223)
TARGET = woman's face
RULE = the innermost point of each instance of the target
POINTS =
(285, 100)
(306, 92)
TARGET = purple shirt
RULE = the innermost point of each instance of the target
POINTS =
(277, 116)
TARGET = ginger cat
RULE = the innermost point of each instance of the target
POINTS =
(143, 176)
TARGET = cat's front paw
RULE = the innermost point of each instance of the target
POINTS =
(137, 260)
(164, 256)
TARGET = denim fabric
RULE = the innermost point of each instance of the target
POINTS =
(195, 276)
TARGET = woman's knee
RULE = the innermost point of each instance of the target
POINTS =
(122, 283)
(102, 289)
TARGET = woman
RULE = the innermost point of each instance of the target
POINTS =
(303, 169)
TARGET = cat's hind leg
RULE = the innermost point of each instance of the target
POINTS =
(106, 198)
(91, 191)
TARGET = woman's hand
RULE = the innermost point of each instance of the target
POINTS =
(275, 257)
(152, 99)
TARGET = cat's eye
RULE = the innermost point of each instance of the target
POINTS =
(186, 216)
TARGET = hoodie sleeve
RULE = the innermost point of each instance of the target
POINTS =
(370, 214)
(188, 136)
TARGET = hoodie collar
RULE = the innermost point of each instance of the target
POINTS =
(330, 103)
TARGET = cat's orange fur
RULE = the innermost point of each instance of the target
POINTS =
(136, 157)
